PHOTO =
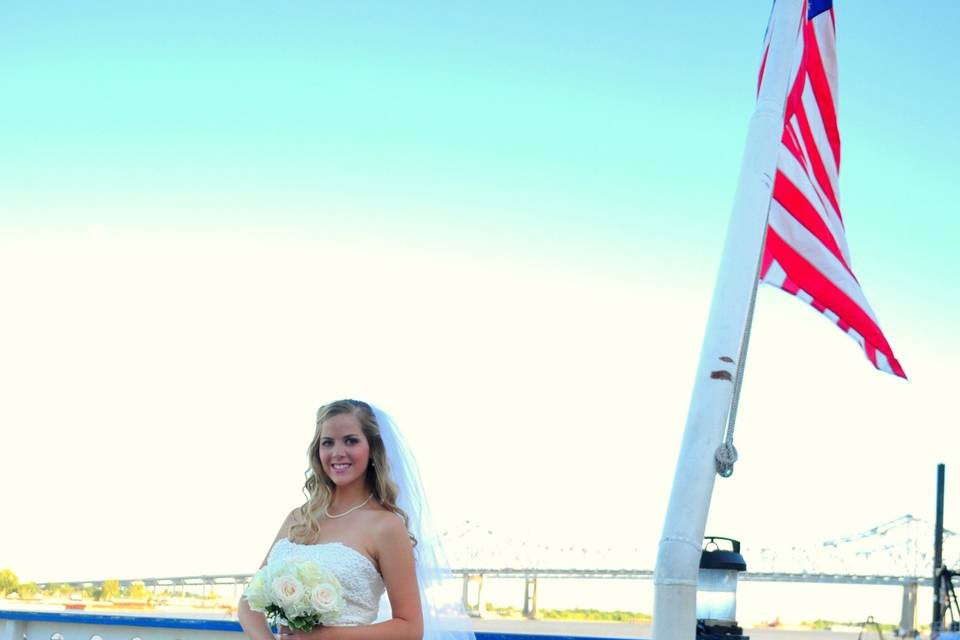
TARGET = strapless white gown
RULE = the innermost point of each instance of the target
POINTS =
(363, 586)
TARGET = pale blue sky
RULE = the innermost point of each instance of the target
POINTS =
(474, 212)
(459, 124)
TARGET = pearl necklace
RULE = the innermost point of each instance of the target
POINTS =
(326, 510)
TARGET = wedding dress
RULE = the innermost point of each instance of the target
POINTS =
(362, 584)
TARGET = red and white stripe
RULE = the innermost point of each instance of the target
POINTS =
(805, 252)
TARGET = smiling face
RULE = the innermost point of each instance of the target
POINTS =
(344, 450)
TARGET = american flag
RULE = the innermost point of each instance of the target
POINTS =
(805, 252)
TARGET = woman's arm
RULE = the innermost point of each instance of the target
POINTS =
(253, 622)
(395, 556)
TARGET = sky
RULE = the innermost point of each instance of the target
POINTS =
(500, 222)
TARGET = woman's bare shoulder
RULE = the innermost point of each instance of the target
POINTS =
(392, 545)
(388, 526)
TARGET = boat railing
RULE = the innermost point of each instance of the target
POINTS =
(56, 625)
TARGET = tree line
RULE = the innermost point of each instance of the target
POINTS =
(106, 590)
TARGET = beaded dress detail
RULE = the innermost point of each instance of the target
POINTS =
(362, 584)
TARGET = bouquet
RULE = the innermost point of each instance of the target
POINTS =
(298, 594)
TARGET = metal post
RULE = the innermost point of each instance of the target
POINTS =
(938, 555)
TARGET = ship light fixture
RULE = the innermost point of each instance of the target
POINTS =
(717, 590)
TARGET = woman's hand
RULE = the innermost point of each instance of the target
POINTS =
(317, 633)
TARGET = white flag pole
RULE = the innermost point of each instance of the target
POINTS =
(678, 556)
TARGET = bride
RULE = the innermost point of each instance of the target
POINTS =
(366, 519)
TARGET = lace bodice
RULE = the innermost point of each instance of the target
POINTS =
(362, 583)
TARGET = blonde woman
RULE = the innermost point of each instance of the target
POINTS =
(366, 519)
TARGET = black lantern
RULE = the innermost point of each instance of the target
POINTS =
(717, 590)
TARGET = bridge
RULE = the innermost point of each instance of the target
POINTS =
(204, 582)
(901, 548)
(897, 552)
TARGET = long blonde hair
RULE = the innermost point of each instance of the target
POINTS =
(319, 488)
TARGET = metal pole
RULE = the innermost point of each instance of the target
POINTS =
(678, 555)
(938, 554)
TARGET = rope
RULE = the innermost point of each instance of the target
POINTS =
(726, 454)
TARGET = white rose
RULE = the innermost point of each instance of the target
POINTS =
(324, 597)
(256, 592)
(287, 592)
(310, 573)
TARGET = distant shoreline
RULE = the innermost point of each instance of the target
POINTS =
(217, 609)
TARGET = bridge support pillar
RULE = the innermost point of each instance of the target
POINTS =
(908, 611)
(530, 597)
(473, 602)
